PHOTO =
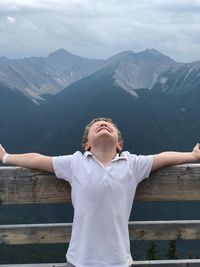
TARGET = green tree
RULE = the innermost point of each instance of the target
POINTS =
(190, 255)
(171, 251)
(197, 256)
(152, 252)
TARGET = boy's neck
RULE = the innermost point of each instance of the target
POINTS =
(104, 156)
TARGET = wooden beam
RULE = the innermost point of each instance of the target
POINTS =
(155, 263)
(35, 265)
(35, 233)
(24, 186)
(61, 232)
(168, 263)
(165, 230)
(176, 183)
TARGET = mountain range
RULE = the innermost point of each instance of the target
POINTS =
(46, 102)
(36, 76)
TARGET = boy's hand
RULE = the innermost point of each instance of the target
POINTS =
(29, 160)
(196, 152)
(170, 158)
(2, 152)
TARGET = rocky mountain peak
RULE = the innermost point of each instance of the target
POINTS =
(61, 53)
(36, 77)
(123, 56)
(139, 70)
(154, 56)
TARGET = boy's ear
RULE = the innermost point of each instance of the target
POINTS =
(87, 146)
(119, 146)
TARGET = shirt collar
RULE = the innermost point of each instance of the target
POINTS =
(117, 156)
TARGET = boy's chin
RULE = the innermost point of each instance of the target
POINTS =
(105, 134)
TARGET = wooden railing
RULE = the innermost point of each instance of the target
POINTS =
(24, 186)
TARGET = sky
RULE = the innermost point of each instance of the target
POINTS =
(100, 28)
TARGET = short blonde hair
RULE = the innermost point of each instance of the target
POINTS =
(87, 128)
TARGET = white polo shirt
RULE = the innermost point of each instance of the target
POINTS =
(102, 198)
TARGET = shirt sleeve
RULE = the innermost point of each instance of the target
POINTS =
(63, 167)
(142, 166)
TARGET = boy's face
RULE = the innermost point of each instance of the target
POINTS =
(103, 130)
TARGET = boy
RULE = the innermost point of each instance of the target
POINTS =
(103, 186)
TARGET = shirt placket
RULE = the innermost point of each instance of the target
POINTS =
(106, 169)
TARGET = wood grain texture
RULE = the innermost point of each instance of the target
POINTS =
(23, 186)
(61, 232)
(155, 263)
(177, 183)
(35, 233)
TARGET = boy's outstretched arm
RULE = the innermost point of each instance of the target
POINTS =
(165, 159)
(28, 160)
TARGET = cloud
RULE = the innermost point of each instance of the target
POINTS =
(11, 19)
(99, 29)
